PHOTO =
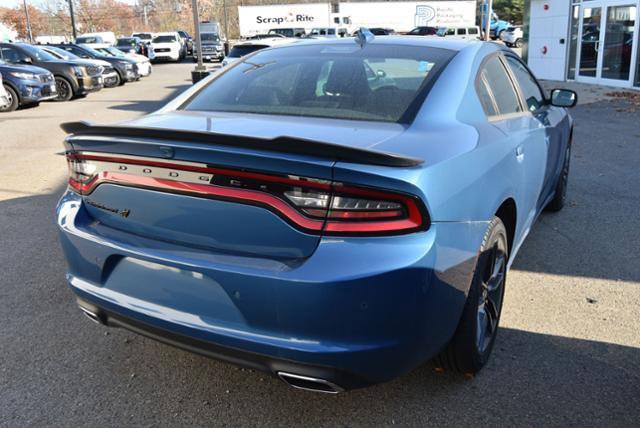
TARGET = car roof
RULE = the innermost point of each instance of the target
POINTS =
(420, 41)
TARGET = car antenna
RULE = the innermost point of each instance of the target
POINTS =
(364, 36)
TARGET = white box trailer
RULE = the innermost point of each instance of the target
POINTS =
(401, 16)
(404, 16)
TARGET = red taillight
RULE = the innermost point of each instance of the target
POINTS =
(314, 205)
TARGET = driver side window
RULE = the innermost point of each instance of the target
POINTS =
(528, 85)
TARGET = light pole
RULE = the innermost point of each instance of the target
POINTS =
(26, 12)
(200, 71)
(487, 29)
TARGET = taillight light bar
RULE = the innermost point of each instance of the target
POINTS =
(313, 205)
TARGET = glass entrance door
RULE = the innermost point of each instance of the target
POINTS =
(608, 43)
(591, 23)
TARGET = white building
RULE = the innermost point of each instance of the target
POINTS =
(591, 41)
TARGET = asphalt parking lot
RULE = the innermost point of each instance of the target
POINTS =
(568, 352)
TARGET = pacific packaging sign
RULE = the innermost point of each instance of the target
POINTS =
(401, 16)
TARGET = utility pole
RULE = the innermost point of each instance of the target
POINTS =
(146, 17)
(487, 29)
(26, 12)
(73, 20)
(226, 29)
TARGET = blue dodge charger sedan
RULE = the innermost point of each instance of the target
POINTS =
(333, 212)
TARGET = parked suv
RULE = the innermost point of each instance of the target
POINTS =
(142, 62)
(26, 85)
(72, 78)
(512, 36)
(212, 47)
(167, 46)
(109, 74)
(188, 40)
(126, 68)
(130, 45)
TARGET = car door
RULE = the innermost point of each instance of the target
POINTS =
(522, 139)
(554, 120)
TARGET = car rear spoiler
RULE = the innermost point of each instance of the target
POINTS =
(279, 144)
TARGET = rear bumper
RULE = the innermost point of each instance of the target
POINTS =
(357, 312)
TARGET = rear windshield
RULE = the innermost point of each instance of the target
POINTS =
(240, 51)
(164, 39)
(342, 81)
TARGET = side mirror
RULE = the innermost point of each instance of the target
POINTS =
(563, 98)
(381, 74)
(26, 60)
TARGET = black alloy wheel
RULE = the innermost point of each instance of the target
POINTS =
(471, 345)
(64, 89)
(492, 292)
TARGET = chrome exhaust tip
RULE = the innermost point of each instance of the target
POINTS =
(93, 316)
(309, 383)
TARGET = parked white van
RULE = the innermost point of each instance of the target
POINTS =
(469, 33)
(328, 32)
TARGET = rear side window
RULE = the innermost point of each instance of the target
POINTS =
(528, 85)
(462, 31)
(498, 82)
(473, 31)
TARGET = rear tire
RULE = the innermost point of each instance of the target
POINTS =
(519, 43)
(471, 345)
(560, 196)
(14, 101)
